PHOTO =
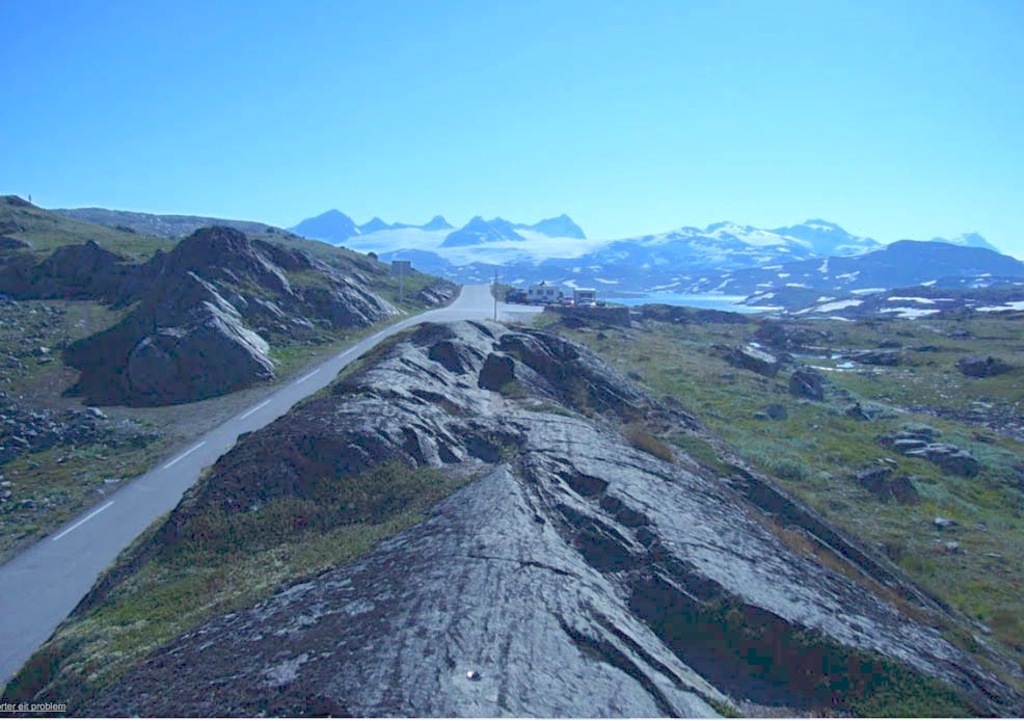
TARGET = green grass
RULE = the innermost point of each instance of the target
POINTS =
(513, 389)
(56, 490)
(221, 563)
(817, 449)
(822, 677)
(52, 486)
(46, 231)
(642, 439)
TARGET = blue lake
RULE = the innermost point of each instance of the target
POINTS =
(713, 302)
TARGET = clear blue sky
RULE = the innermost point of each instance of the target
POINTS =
(893, 119)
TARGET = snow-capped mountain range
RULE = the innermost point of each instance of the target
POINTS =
(335, 227)
(687, 259)
(905, 263)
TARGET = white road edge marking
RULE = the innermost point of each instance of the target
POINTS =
(306, 377)
(98, 511)
(196, 447)
(253, 410)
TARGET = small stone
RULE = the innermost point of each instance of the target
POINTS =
(473, 675)
(858, 412)
(942, 522)
(952, 547)
(776, 411)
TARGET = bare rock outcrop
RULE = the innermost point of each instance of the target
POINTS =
(185, 344)
(580, 575)
(983, 366)
(877, 357)
(749, 358)
(207, 312)
(922, 443)
(807, 383)
(439, 293)
(880, 480)
(786, 337)
(73, 272)
(7, 243)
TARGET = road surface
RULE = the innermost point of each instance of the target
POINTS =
(40, 587)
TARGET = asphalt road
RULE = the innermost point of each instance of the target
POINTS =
(42, 585)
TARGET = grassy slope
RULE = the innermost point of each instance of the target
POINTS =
(46, 231)
(815, 451)
(53, 486)
(225, 564)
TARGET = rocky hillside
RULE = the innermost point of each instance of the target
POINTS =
(27, 226)
(593, 569)
(162, 226)
(205, 313)
(900, 264)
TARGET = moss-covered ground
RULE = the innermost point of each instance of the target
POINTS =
(816, 450)
(219, 563)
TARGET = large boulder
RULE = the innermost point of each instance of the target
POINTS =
(438, 293)
(749, 358)
(184, 344)
(221, 253)
(983, 366)
(213, 355)
(949, 458)
(807, 383)
(498, 371)
(347, 305)
(206, 312)
(881, 481)
(877, 357)
(783, 337)
(78, 272)
(920, 442)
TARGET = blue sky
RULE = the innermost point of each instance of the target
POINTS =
(893, 119)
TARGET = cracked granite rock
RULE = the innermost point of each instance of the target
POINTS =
(573, 578)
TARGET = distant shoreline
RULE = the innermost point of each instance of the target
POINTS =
(709, 301)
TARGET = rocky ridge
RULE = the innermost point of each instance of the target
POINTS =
(588, 573)
(163, 226)
(204, 315)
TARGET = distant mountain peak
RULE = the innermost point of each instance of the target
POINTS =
(373, 225)
(332, 226)
(478, 231)
(819, 223)
(720, 225)
(332, 214)
(826, 238)
(437, 223)
(560, 227)
(968, 240)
